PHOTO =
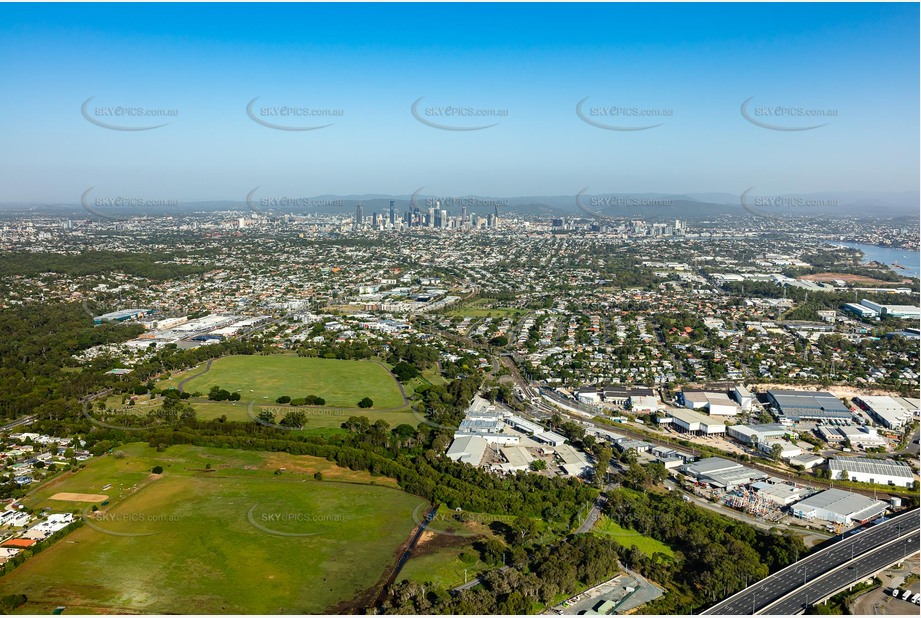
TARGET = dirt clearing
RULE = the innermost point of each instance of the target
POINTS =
(67, 496)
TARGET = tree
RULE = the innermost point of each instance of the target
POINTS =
(357, 424)
(524, 527)
(776, 452)
(405, 371)
(283, 399)
(538, 465)
(366, 402)
(157, 470)
(266, 416)
(294, 419)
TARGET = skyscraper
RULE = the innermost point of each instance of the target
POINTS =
(359, 216)
(393, 214)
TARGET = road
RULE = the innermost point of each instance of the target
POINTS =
(594, 513)
(817, 565)
(25, 420)
(833, 581)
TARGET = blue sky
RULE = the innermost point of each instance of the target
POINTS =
(535, 61)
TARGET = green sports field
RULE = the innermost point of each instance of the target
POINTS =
(232, 538)
(341, 383)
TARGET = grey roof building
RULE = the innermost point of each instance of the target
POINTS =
(839, 506)
(808, 405)
(878, 471)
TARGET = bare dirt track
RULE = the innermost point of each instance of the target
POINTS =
(74, 497)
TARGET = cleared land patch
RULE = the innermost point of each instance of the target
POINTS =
(628, 538)
(78, 497)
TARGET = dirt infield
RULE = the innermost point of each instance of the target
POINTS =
(72, 497)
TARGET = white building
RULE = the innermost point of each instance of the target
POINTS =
(516, 458)
(839, 506)
(781, 494)
(877, 471)
(888, 411)
(689, 421)
(893, 311)
(756, 434)
(787, 448)
(716, 404)
(572, 461)
(743, 397)
(468, 449)
(644, 403)
(807, 460)
(862, 437)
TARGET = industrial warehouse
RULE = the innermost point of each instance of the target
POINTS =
(863, 470)
(498, 440)
(793, 406)
(840, 507)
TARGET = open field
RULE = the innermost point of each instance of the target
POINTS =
(320, 419)
(628, 538)
(317, 417)
(232, 538)
(341, 383)
(483, 307)
(443, 566)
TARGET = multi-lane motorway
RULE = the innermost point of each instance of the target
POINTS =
(845, 575)
(816, 576)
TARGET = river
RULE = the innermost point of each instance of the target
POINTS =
(911, 260)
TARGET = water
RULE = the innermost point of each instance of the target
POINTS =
(911, 260)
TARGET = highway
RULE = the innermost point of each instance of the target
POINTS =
(25, 420)
(817, 566)
(861, 568)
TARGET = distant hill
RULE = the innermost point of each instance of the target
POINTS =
(665, 206)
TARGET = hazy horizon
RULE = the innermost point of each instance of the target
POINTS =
(696, 86)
